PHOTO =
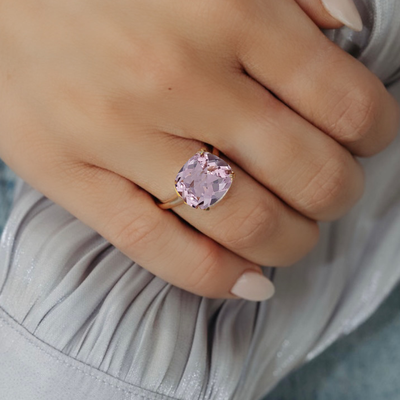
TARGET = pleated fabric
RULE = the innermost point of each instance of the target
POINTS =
(79, 320)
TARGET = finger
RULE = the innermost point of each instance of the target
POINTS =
(318, 80)
(332, 14)
(157, 240)
(304, 167)
(250, 221)
(285, 153)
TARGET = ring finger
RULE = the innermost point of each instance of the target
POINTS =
(251, 221)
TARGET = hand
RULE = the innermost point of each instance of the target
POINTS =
(102, 102)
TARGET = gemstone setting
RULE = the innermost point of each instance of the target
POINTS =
(204, 180)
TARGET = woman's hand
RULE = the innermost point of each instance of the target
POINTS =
(102, 102)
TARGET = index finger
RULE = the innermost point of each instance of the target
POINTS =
(286, 52)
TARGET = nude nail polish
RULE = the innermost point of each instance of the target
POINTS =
(344, 11)
(253, 286)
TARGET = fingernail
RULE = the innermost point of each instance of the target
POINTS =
(253, 286)
(344, 11)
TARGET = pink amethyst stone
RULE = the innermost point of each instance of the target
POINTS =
(203, 180)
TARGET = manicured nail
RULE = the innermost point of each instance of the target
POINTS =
(344, 11)
(253, 286)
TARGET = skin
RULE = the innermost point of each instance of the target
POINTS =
(102, 102)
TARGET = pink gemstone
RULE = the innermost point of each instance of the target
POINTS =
(203, 180)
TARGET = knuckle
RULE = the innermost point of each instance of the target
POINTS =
(151, 68)
(167, 71)
(251, 227)
(161, 74)
(327, 188)
(354, 114)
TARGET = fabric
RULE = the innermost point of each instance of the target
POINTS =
(7, 183)
(80, 320)
(363, 365)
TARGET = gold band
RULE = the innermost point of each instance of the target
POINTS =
(177, 200)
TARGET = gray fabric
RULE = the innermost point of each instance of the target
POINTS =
(7, 182)
(363, 365)
(79, 320)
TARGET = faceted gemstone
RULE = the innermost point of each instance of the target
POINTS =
(203, 180)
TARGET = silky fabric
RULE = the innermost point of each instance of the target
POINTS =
(79, 320)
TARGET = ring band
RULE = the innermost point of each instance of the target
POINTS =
(202, 182)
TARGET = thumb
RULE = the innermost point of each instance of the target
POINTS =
(330, 14)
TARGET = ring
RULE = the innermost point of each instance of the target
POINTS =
(202, 182)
